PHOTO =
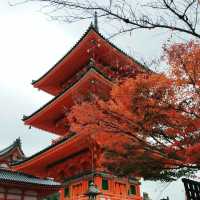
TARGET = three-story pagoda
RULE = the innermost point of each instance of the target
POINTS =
(91, 66)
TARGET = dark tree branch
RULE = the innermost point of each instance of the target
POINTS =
(123, 11)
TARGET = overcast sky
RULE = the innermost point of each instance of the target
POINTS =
(30, 44)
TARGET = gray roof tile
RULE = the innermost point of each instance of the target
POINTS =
(11, 176)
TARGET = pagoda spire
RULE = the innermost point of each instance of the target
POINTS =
(96, 21)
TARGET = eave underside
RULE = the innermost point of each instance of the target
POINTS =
(59, 160)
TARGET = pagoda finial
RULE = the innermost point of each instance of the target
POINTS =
(96, 21)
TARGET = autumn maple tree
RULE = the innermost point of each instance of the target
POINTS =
(150, 126)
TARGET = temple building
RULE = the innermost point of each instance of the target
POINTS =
(92, 66)
(16, 185)
(11, 154)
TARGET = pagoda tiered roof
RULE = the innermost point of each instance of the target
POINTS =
(51, 116)
(92, 59)
(91, 44)
(90, 68)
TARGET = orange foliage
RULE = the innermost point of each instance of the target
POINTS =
(151, 123)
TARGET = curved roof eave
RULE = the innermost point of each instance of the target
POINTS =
(25, 118)
(62, 141)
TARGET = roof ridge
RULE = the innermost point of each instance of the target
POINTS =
(16, 143)
(91, 27)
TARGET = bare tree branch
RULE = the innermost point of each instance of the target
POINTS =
(177, 15)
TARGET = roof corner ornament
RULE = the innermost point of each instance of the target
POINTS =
(96, 21)
(24, 117)
(18, 141)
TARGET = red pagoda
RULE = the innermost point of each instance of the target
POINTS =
(92, 66)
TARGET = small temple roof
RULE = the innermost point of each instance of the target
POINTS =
(69, 64)
(45, 117)
(16, 144)
(19, 177)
